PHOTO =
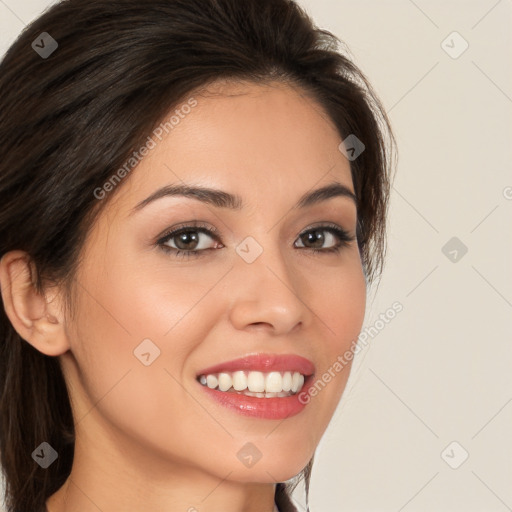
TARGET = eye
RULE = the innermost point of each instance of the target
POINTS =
(189, 240)
(318, 239)
(196, 239)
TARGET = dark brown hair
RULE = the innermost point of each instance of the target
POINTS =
(69, 120)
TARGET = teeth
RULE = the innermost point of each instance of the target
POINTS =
(225, 381)
(274, 382)
(239, 381)
(269, 385)
(297, 381)
(287, 381)
(212, 381)
(256, 382)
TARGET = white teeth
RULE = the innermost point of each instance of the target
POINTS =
(297, 382)
(287, 381)
(274, 382)
(211, 381)
(256, 382)
(252, 383)
(239, 381)
(225, 381)
(283, 394)
(257, 395)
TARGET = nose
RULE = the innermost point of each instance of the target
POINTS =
(268, 294)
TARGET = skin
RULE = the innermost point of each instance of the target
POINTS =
(148, 437)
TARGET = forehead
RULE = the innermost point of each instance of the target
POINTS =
(265, 142)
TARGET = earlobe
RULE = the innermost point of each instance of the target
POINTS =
(36, 319)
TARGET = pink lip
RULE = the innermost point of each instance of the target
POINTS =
(264, 408)
(265, 363)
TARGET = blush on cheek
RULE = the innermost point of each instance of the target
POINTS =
(344, 305)
(102, 347)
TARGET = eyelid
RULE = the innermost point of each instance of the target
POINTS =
(343, 236)
(208, 229)
(200, 226)
(325, 225)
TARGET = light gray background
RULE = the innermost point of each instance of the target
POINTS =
(440, 370)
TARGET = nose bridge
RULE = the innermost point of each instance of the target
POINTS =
(267, 289)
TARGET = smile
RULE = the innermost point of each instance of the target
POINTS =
(259, 384)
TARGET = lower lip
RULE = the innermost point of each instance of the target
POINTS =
(267, 408)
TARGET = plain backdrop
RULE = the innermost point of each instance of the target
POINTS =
(424, 424)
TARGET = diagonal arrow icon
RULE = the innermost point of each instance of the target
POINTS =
(146, 352)
(351, 147)
(45, 455)
(44, 45)
(249, 249)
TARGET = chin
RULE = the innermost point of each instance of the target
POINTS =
(278, 469)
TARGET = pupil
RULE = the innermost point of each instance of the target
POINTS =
(317, 238)
(186, 238)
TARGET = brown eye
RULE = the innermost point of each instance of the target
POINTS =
(188, 239)
(316, 239)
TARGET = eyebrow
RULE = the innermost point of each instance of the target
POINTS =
(221, 199)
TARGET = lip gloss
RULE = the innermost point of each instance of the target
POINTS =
(265, 408)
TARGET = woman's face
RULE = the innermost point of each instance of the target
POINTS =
(148, 321)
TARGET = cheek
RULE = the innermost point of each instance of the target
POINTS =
(132, 302)
(133, 315)
(340, 306)
(147, 403)
(137, 320)
(340, 302)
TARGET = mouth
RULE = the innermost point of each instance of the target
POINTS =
(260, 375)
(254, 383)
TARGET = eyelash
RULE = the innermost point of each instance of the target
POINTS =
(341, 234)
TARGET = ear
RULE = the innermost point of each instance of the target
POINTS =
(37, 318)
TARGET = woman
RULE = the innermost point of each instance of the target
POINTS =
(193, 201)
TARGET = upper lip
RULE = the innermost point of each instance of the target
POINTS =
(265, 363)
